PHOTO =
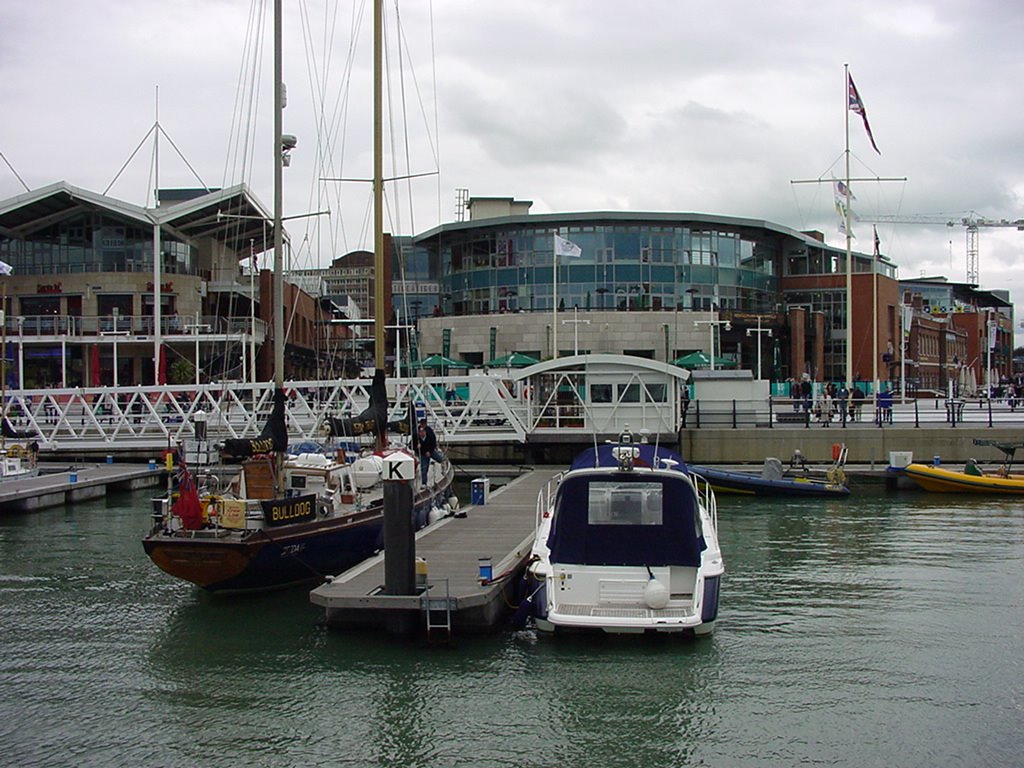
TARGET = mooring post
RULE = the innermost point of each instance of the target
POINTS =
(399, 538)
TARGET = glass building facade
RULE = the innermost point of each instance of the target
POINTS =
(95, 241)
(629, 262)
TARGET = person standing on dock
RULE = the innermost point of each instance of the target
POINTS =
(426, 449)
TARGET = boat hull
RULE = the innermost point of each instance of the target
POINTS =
(678, 617)
(232, 561)
(939, 480)
(626, 543)
(724, 481)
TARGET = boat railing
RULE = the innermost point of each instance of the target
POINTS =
(546, 498)
(706, 497)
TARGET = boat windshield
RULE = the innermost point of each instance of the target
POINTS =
(613, 504)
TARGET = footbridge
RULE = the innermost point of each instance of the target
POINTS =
(587, 396)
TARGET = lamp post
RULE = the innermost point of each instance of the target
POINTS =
(759, 330)
(21, 352)
(575, 329)
(989, 343)
(195, 328)
(114, 334)
(711, 333)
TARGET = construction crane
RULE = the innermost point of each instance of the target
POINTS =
(971, 222)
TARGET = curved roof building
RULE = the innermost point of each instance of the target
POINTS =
(497, 267)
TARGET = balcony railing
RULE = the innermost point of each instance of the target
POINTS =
(134, 325)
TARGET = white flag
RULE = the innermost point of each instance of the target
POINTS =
(565, 247)
(5, 268)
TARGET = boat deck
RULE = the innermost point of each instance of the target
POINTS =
(455, 600)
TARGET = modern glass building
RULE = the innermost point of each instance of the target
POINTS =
(628, 262)
(747, 271)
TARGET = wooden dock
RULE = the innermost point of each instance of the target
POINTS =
(455, 599)
(61, 484)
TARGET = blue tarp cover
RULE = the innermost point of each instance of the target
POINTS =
(574, 539)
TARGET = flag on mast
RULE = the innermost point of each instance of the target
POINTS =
(857, 107)
(843, 197)
(565, 247)
(842, 190)
(5, 268)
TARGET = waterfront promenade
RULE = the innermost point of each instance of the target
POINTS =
(496, 424)
(925, 428)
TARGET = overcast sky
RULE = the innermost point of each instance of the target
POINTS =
(576, 105)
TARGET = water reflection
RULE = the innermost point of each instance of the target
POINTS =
(875, 630)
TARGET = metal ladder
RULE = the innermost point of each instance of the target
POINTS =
(438, 611)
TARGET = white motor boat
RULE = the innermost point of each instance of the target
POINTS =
(627, 542)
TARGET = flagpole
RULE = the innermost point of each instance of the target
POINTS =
(874, 312)
(554, 299)
(849, 246)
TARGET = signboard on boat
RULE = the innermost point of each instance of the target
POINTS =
(300, 509)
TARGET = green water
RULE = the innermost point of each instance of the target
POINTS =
(876, 631)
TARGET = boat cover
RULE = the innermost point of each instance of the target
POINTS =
(601, 456)
(677, 540)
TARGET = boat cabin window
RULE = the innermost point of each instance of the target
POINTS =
(633, 504)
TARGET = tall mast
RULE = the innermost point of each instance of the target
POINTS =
(278, 304)
(380, 315)
(157, 266)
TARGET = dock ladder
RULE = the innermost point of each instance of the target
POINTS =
(437, 611)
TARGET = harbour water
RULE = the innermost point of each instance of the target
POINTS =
(884, 629)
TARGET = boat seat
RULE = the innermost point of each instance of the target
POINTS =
(772, 469)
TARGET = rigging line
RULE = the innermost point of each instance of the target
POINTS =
(437, 128)
(335, 127)
(400, 38)
(11, 167)
(318, 84)
(408, 168)
(181, 156)
(323, 193)
(246, 98)
(130, 158)
(423, 111)
(396, 219)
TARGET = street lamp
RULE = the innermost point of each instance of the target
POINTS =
(759, 330)
(711, 333)
(114, 334)
(575, 329)
(196, 327)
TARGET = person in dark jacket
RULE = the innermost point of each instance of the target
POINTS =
(426, 448)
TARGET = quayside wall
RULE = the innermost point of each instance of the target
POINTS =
(865, 445)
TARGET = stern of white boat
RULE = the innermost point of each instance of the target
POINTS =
(621, 600)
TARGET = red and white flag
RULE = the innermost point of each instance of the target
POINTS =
(857, 107)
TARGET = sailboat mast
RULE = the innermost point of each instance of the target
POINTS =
(278, 303)
(380, 313)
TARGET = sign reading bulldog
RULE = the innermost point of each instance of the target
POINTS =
(301, 509)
